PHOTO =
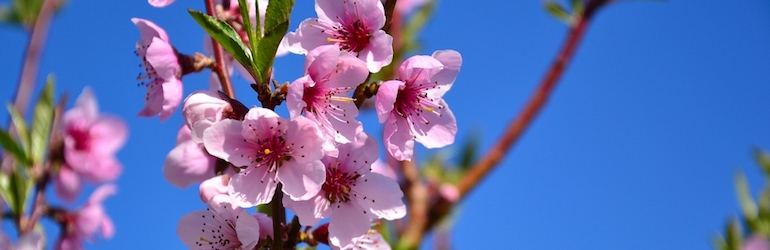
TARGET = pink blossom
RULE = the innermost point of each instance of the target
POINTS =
(371, 240)
(756, 242)
(160, 3)
(412, 108)
(87, 221)
(188, 162)
(201, 109)
(32, 240)
(223, 225)
(214, 186)
(159, 58)
(353, 25)
(270, 149)
(322, 94)
(381, 167)
(405, 7)
(352, 196)
(90, 143)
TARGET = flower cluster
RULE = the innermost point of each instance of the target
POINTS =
(319, 159)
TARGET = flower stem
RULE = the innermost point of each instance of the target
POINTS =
(279, 217)
(221, 65)
(518, 125)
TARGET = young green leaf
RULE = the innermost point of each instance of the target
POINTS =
(42, 122)
(253, 35)
(558, 12)
(225, 36)
(744, 197)
(763, 158)
(13, 148)
(276, 25)
(21, 127)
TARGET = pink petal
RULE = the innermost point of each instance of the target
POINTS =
(161, 55)
(102, 192)
(32, 240)
(265, 225)
(310, 211)
(102, 169)
(67, 184)
(379, 52)
(214, 186)
(86, 103)
(386, 98)
(384, 196)
(398, 139)
(253, 188)
(452, 61)
(348, 72)
(440, 131)
(188, 163)
(302, 181)
(419, 69)
(108, 134)
(189, 227)
(306, 38)
(305, 139)
(160, 3)
(381, 167)
(183, 135)
(224, 140)
(203, 104)
(148, 29)
(348, 221)
(247, 229)
(294, 101)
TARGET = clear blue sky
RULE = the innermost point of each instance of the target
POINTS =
(636, 149)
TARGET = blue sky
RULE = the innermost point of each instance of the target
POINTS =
(636, 149)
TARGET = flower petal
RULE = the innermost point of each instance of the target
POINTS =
(247, 229)
(302, 181)
(253, 188)
(348, 221)
(379, 52)
(386, 98)
(311, 211)
(224, 140)
(188, 163)
(440, 131)
(383, 196)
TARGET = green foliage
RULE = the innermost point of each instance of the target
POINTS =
(21, 127)
(559, 12)
(225, 36)
(21, 12)
(254, 35)
(13, 148)
(15, 189)
(276, 25)
(42, 122)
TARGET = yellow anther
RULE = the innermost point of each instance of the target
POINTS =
(267, 151)
(429, 109)
(205, 240)
(341, 99)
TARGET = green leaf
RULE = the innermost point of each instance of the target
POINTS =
(42, 122)
(250, 31)
(276, 25)
(558, 12)
(21, 127)
(15, 189)
(744, 197)
(225, 36)
(734, 235)
(13, 148)
(763, 158)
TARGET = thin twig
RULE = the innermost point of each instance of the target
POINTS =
(390, 5)
(30, 66)
(279, 217)
(515, 129)
(221, 64)
(417, 195)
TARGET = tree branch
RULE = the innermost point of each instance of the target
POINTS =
(221, 64)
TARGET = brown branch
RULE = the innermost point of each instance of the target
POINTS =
(417, 197)
(515, 129)
(390, 5)
(279, 217)
(30, 66)
(221, 64)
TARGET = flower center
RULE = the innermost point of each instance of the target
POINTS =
(352, 37)
(81, 137)
(337, 185)
(272, 152)
(412, 103)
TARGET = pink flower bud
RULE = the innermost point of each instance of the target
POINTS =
(201, 109)
(212, 187)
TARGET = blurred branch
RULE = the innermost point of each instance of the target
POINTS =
(30, 66)
(515, 129)
(390, 6)
(417, 197)
(221, 64)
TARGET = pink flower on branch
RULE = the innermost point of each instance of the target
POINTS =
(160, 61)
(87, 221)
(352, 196)
(188, 162)
(90, 143)
(222, 226)
(353, 25)
(412, 108)
(270, 149)
(322, 94)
